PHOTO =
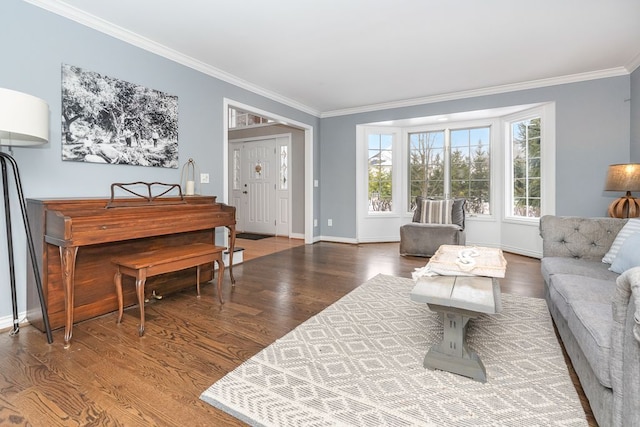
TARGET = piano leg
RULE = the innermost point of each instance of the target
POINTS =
(68, 263)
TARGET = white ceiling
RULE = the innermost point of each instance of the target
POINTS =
(330, 57)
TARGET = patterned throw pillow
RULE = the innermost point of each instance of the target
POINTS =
(436, 211)
(632, 226)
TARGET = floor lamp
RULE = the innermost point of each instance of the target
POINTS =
(24, 121)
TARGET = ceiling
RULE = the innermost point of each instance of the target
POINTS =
(330, 57)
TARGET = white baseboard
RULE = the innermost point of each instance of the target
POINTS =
(513, 250)
(238, 257)
(519, 251)
(337, 239)
(6, 322)
(388, 239)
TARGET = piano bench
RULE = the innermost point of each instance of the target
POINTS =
(161, 261)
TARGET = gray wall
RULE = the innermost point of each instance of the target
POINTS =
(592, 131)
(297, 166)
(593, 125)
(635, 116)
(35, 43)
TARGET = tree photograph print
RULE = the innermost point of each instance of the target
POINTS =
(107, 120)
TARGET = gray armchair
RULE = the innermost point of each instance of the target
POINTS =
(423, 236)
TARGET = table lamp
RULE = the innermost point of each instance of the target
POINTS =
(624, 177)
(24, 121)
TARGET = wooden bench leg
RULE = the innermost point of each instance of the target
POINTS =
(117, 279)
(198, 280)
(140, 280)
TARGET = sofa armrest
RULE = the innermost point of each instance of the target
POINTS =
(625, 349)
(577, 237)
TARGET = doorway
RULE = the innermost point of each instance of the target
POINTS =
(259, 188)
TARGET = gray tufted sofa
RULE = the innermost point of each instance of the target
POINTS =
(595, 312)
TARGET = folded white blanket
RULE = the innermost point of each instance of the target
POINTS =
(452, 260)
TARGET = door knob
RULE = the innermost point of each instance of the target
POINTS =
(244, 192)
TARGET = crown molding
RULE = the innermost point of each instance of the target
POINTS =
(132, 38)
(137, 40)
(533, 84)
(635, 63)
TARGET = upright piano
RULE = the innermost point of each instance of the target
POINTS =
(75, 240)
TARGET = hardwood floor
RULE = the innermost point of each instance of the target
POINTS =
(110, 376)
(270, 245)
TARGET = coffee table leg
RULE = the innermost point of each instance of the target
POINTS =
(452, 354)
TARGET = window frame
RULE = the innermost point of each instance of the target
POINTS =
(396, 153)
(546, 113)
(448, 127)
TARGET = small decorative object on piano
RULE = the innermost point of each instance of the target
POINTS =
(188, 177)
(154, 193)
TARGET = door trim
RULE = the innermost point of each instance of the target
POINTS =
(309, 193)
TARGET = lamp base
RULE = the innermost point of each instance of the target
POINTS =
(625, 207)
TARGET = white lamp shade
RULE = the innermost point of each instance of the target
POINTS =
(24, 119)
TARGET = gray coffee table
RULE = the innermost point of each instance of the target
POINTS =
(457, 299)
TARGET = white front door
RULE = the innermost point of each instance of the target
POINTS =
(259, 185)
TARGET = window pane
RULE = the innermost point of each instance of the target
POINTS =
(525, 147)
(426, 165)
(284, 172)
(380, 171)
(470, 168)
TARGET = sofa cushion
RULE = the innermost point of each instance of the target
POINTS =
(564, 289)
(591, 324)
(628, 256)
(581, 267)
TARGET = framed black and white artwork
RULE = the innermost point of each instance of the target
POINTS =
(111, 121)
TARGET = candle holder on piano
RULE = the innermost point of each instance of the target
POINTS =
(188, 178)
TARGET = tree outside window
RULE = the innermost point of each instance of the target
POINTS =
(380, 168)
(426, 165)
(468, 173)
(525, 146)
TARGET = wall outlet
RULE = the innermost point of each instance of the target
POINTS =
(330, 222)
(204, 178)
(315, 222)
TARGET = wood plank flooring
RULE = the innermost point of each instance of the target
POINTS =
(270, 245)
(110, 376)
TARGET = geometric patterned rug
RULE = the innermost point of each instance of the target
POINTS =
(359, 363)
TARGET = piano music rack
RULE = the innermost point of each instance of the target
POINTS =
(151, 198)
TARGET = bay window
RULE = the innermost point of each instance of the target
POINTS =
(451, 163)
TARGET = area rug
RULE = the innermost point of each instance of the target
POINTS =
(252, 236)
(359, 363)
